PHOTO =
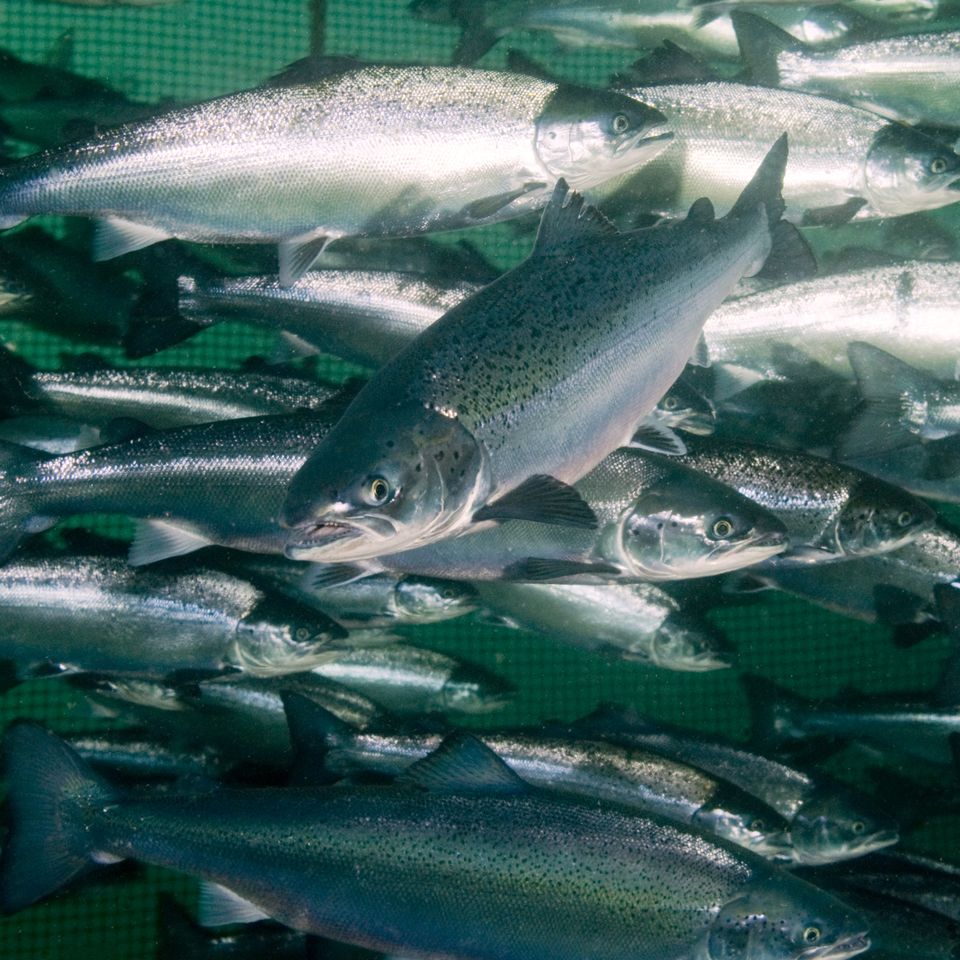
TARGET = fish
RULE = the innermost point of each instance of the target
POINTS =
(406, 679)
(22, 80)
(593, 770)
(844, 161)
(830, 511)
(902, 308)
(614, 883)
(869, 74)
(895, 588)
(638, 622)
(434, 444)
(656, 520)
(366, 150)
(221, 482)
(363, 316)
(87, 614)
(921, 727)
(902, 406)
(160, 397)
(829, 822)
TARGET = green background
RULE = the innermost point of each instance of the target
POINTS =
(201, 48)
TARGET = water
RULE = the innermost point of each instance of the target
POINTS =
(202, 48)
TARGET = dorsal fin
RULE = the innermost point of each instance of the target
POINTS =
(462, 764)
(701, 211)
(568, 219)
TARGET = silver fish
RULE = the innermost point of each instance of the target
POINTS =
(844, 161)
(91, 614)
(440, 439)
(408, 679)
(633, 621)
(368, 150)
(537, 875)
(905, 309)
(913, 78)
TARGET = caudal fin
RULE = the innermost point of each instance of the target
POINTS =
(761, 43)
(15, 376)
(766, 186)
(772, 711)
(51, 795)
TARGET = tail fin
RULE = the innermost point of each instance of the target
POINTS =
(761, 42)
(772, 711)
(15, 374)
(51, 794)
(887, 385)
(314, 731)
(766, 186)
(161, 317)
(16, 512)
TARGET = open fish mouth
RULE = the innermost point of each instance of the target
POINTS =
(847, 947)
(320, 534)
(646, 140)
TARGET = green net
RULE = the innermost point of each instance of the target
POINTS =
(201, 48)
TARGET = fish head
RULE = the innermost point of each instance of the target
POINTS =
(832, 826)
(588, 136)
(878, 517)
(746, 821)
(685, 644)
(471, 689)
(782, 918)
(426, 600)
(908, 170)
(415, 478)
(683, 408)
(280, 636)
(690, 526)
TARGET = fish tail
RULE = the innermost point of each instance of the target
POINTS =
(761, 43)
(314, 731)
(772, 711)
(52, 794)
(163, 316)
(766, 186)
(15, 375)
(16, 512)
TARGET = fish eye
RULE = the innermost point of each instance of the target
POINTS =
(858, 826)
(722, 527)
(302, 634)
(376, 491)
(938, 165)
(759, 824)
(670, 403)
(904, 518)
(811, 934)
(621, 124)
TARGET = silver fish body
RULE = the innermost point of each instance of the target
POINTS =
(90, 614)
(904, 309)
(633, 621)
(218, 482)
(912, 78)
(839, 154)
(830, 511)
(565, 339)
(828, 822)
(363, 316)
(407, 679)
(537, 875)
(370, 150)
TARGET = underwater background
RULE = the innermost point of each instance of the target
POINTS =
(201, 48)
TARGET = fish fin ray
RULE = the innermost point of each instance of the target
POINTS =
(158, 540)
(877, 428)
(657, 438)
(541, 499)
(299, 254)
(115, 236)
(668, 63)
(463, 764)
(702, 211)
(320, 576)
(569, 218)
(835, 216)
(790, 256)
(701, 353)
(766, 185)
(219, 906)
(761, 42)
(882, 376)
(51, 793)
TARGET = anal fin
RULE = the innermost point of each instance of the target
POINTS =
(157, 540)
(299, 254)
(220, 907)
(115, 236)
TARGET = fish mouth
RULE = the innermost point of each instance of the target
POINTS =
(881, 839)
(840, 949)
(318, 536)
(954, 185)
(644, 141)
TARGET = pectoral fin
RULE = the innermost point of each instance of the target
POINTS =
(157, 540)
(541, 499)
(115, 236)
